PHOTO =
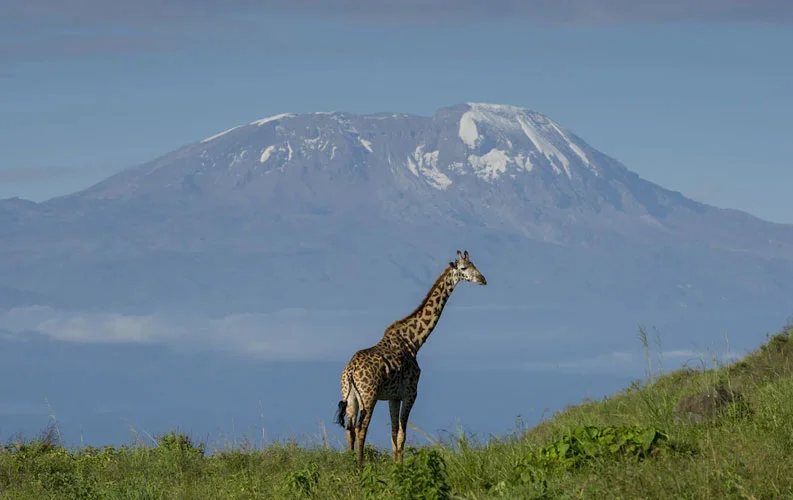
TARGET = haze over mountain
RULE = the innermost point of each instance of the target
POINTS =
(302, 236)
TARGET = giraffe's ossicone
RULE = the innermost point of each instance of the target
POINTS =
(389, 371)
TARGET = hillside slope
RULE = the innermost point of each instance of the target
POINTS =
(631, 445)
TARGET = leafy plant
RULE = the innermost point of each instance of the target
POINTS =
(587, 442)
(304, 481)
(174, 441)
(422, 475)
(579, 445)
(371, 484)
(532, 471)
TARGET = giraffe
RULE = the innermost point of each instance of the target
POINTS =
(389, 371)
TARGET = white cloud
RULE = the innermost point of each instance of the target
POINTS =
(288, 334)
(303, 334)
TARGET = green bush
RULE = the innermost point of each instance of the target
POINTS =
(304, 482)
(587, 442)
(422, 475)
(179, 442)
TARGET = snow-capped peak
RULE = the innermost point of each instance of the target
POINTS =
(501, 142)
(508, 123)
(499, 117)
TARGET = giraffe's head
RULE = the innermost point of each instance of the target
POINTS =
(465, 270)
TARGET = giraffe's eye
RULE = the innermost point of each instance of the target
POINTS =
(462, 268)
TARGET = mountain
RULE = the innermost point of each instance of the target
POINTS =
(338, 210)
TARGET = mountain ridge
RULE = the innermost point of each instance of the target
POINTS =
(487, 160)
(439, 165)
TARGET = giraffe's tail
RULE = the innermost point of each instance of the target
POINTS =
(340, 412)
(342, 409)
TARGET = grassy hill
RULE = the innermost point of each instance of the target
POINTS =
(733, 438)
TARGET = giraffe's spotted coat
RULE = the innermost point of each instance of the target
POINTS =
(389, 371)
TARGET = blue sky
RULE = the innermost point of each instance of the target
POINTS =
(692, 95)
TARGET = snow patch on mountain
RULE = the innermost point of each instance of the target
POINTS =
(468, 131)
(491, 165)
(524, 161)
(212, 138)
(426, 165)
(313, 144)
(272, 119)
(238, 157)
(574, 147)
(366, 144)
(266, 154)
(546, 148)
(494, 164)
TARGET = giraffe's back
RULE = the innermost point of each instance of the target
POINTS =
(381, 373)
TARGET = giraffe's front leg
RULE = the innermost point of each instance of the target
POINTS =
(393, 406)
(407, 405)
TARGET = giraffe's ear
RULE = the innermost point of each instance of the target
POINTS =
(453, 265)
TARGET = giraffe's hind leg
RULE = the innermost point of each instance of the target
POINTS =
(363, 426)
(352, 416)
(393, 406)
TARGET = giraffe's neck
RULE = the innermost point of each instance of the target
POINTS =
(415, 328)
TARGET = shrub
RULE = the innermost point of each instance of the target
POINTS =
(303, 482)
(422, 475)
(588, 442)
(180, 442)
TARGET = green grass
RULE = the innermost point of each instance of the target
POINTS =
(627, 446)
